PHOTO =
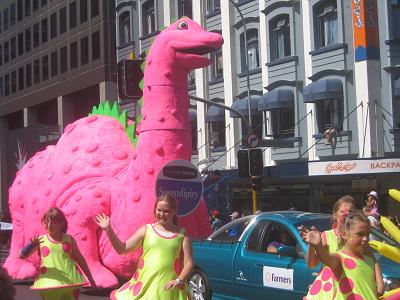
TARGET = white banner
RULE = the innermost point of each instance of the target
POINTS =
(278, 278)
(354, 167)
(5, 226)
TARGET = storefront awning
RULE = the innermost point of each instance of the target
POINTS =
(241, 106)
(396, 91)
(323, 89)
(214, 114)
(282, 98)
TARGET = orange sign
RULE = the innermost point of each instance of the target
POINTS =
(365, 29)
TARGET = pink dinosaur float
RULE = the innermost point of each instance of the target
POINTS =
(95, 168)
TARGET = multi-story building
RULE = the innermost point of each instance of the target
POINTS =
(57, 60)
(323, 80)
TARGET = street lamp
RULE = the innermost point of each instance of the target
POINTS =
(246, 63)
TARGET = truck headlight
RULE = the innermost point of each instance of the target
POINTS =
(391, 283)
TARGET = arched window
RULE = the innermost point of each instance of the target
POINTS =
(124, 28)
(252, 50)
(326, 18)
(280, 37)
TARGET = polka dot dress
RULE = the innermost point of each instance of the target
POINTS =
(158, 264)
(57, 268)
(356, 281)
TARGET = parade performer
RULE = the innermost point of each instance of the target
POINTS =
(166, 248)
(351, 268)
(59, 277)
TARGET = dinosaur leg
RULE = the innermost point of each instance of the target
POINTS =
(16, 267)
(80, 212)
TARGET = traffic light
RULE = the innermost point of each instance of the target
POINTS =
(243, 163)
(130, 78)
(256, 163)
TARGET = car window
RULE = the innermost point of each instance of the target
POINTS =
(254, 241)
(277, 236)
(232, 231)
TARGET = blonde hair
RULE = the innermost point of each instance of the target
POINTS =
(350, 219)
(344, 199)
(173, 203)
(56, 214)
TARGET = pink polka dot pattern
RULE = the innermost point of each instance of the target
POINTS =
(43, 270)
(326, 274)
(137, 288)
(349, 263)
(177, 266)
(354, 297)
(140, 264)
(124, 287)
(327, 287)
(66, 247)
(346, 285)
(316, 287)
(136, 275)
(44, 251)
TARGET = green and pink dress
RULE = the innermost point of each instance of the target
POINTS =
(355, 281)
(159, 263)
(58, 275)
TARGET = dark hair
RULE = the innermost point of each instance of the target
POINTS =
(7, 290)
(172, 202)
(350, 219)
(56, 214)
(344, 199)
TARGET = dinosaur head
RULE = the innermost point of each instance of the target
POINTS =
(178, 49)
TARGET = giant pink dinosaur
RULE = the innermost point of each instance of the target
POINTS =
(94, 167)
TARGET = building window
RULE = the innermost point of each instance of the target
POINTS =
(74, 55)
(6, 85)
(53, 25)
(185, 8)
(28, 75)
(54, 64)
(19, 10)
(191, 77)
(213, 5)
(63, 20)
(252, 50)
(43, 2)
(329, 114)
(256, 124)
(148, 18)
(217, 66)
(45, 68)
(12, 15)
(96, 45)
(124, 29)
(44, 31)
(64, 59)
(282, 123)
(72, 15)
(217, 135)
(84, 51)
(280, 37)
(27, 8)
(13, 82)
(94, 8)
(396, 19)
(36, 71)
(327, 24)
(35, 35)
(6, 52)
(21, 78)
(1, 87)
(1, 22)
(83, 10)
(5, 19)
(13, 47)
(20, 43)
(1, 54)
(35, 5)
(28, 40)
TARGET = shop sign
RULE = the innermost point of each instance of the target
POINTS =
(346, 167)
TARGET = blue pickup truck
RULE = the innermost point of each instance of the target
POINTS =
(233, 263)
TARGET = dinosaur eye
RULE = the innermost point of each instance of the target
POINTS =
(182, 25)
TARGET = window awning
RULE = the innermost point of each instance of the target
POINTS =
(396, 90)
(282, 98)
(214, 114)
(323, 89)
(241, 106)
(193, 115)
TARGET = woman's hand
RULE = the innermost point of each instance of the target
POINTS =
(313, 237)
(173, 283)
(103, 221)
(36, 240)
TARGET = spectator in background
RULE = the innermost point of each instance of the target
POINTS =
(371, 210)
(7, 290)
(216, 222)
(234, 230)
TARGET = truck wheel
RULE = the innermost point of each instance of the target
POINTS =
(199, 285)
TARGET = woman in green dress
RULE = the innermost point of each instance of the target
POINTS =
(166, 262)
